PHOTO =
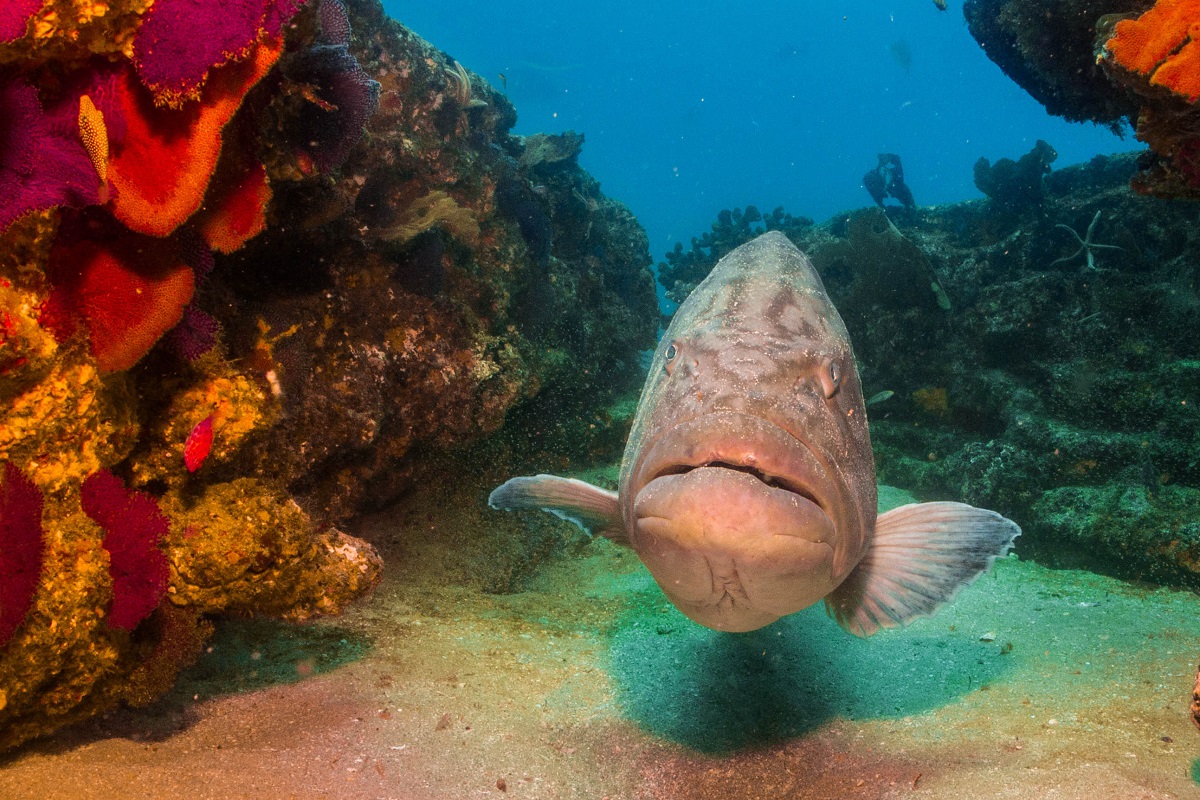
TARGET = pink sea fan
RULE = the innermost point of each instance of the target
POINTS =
(133, 528)
(21, 549)
(42, 159)
(14, 18)
(179, 41)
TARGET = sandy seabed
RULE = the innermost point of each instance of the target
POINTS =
(1032, 684)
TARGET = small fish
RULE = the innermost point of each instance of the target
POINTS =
(748, 482)
(941, 4)
(886, 394)
(198, 444)
(503, 80)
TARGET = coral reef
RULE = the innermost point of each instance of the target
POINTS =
(249, 286)
(1059, 389)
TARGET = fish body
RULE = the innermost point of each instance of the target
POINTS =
(198, 444)
(747, 485)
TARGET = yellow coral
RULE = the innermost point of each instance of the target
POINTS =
(66, 426)
(77, 29)
(435, 208)
(27, 350)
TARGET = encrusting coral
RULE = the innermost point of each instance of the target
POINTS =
(247, 285)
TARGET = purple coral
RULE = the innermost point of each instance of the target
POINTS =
(335, 25)
(179, 41)
(133, 528)
(43, 162)
(14, 18)
(21, 549)
(195, 334)
(329, 131)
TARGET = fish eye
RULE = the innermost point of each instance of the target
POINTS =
(670, 356)
(831, 377)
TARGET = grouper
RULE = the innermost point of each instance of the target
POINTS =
(747, 487)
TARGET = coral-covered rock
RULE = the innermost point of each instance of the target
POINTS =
(43, 162)
(1156, 59)
(395, 277)
(1048, 48)
(128, 290)
(239, 548)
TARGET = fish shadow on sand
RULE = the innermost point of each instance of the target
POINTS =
(717, 692)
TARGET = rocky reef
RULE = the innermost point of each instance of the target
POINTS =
(1113, 62)
(260, 268)
(1040, 355)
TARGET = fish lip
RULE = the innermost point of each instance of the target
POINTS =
(743, 442)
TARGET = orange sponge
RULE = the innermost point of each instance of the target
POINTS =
(1164, 45)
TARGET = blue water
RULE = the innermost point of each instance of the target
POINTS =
(690, 107)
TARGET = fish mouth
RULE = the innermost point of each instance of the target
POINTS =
(743, 443)
(783, 482)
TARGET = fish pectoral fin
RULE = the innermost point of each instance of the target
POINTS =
(595, 510)
(921, 556)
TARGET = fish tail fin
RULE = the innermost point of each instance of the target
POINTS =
(595, 510)
(921, 556)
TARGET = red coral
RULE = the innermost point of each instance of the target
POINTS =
(14, 18)
(235, 210)
(162, 166)
(21, 549)
(133, 528)
(128, 289)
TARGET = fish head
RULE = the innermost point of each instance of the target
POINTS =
(748, 487)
